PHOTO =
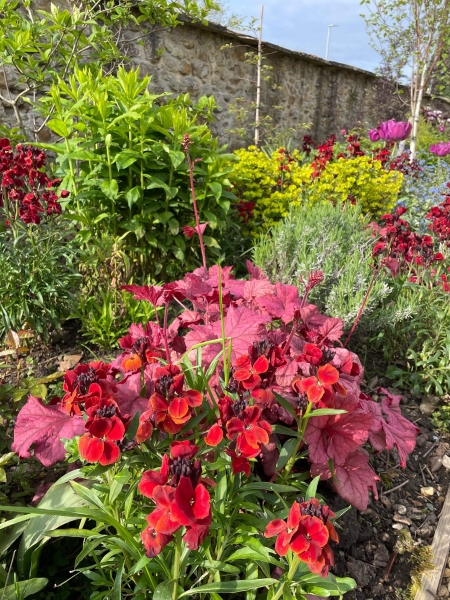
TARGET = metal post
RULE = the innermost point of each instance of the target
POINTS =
(258, 78)
(328, 40)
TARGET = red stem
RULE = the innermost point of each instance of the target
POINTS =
(194, 200)
(166, 342)
(363, 305)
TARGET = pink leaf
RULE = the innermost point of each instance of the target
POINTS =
(257, 288)
(311, 317)
(43, 427)
(337, 436)
(195, 286)
(128, 395)
(331, 329)
(285, 374)
(254, 271)
(354, 479)
(243, 325)
(151, 293)
(393, 429)
(283, 304)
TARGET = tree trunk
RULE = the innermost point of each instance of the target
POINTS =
(416, 113)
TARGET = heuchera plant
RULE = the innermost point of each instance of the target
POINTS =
(217, 408)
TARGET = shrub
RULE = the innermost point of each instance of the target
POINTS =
(37, 255)
(334, 240)
(123, 160)
(268, 184)
(362, 179)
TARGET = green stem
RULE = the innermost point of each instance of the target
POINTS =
(292, 570)
(302, 428)
(176, 564)
(226, 370)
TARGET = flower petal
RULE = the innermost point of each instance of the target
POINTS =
(90, 448)
(111, 453)
(201, 506)
(214, 435)
(327, 374)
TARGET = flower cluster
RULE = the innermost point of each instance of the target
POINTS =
(27, 191)
(181, 500)
(436, 118)
(324, 153)
(440, 219)
(306, 532)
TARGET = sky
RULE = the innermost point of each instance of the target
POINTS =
(303, 25)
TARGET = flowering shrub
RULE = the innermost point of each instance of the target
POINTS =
(202, 420)
(267, 186)
(35, 252)
(363, 179)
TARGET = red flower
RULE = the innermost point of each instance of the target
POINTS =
(145, 428)
(190, 503)
(311, 354)
(151, 479)
(85, 382)
(306, 533)
(251, 432)
(162, 519)
(214, 435)
(248, 374)
(104, 419)
(239, 464)
(316, 387)
(153, 541)
(94, 449)
(173, 414)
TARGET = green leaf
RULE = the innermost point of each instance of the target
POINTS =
(58, 127)
(216, 189)
(210, 242)
(177, 157)
(286, 452)
(117, 589)
(133, 427)
(312, 488)
(230, 587)
(133, 195)
(164, 590)
(286, 405)
(322, 412)
(39, 390)
(110, 188)
(23, 589)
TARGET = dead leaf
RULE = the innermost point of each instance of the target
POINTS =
(69, 361)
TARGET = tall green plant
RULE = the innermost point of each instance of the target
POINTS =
(331, 239)
(121, 156)
(37, 46)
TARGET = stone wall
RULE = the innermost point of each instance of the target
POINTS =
(303, 88)
(193, 58)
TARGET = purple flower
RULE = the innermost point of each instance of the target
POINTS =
(441, 149)
(391, 131)
(441, 128)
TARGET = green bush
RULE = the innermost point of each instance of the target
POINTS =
(38, 277)
(332, 239)
(122, 158)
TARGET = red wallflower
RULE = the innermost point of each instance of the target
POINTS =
(248, 374)
(94, 449)
(318, 388)
(249, 432)
(306, 532)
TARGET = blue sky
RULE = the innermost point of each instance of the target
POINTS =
(303, 24)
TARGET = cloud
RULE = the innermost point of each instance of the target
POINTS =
(303, 25)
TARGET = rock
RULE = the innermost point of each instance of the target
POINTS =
(443, 592)
(402, 519)
(381, 556)
(427, 491)
(361, 572)
(378, 590)
(441, 449)
(417, 503)
(430, 506)
(420, 440)
(398, 526)
(427, 408)
(435, 464)
(447, 572)
(386, 502)
(441, 499)
(385, 536)
(400, 509)
(446, 462)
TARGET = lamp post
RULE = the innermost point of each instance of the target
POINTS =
(328, 40)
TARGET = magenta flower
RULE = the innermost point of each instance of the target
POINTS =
(441, 149)
(391, 131)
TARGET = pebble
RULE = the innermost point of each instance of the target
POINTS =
(435, 464)
(385, 537)
(401, 519)
(441, 499)
(430, 506)
(443, 592)
(417, 503)
(386, 502)
(401, 510)
(427, 408)
(446, 462)
(427, 491)
(447, 572)
(398, 526)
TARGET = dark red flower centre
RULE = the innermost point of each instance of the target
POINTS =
(163, 385)
(84, 380)
(106, 412)
(239, 406)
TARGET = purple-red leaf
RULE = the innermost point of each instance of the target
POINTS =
(43, 427)
(354, 479)
(283, 304)
(331, 329)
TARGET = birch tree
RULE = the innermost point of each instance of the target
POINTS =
(414, 35)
